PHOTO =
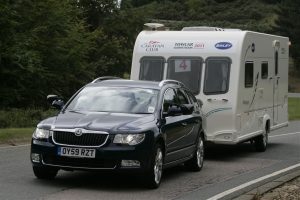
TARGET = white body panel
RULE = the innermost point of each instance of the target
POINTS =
(240, 113)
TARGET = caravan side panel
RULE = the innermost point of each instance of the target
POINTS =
(263, 86)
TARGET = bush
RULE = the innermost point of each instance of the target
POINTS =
(18, 118)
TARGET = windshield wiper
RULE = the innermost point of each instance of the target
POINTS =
(75, 111)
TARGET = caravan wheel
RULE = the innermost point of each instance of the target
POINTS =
(261, 142)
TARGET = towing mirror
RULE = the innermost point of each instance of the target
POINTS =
(55, 101)
(174, 110)
(187, 109)
(51, 98)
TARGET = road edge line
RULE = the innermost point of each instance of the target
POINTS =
(231, 191)
(285, 134)
(12, 147)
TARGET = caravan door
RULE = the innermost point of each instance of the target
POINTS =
(216, 98)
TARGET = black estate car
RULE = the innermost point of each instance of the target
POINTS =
(116, 124)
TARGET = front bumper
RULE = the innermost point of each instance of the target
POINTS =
(107, 157)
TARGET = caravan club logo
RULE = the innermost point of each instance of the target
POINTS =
(223, 45)
(152, 46)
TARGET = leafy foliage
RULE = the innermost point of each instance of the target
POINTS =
(288, 25)
(55, 46)
(46, 52)
(243, 14)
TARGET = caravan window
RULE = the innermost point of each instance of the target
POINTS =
(187, 70)
(217, 74)
(152, 68)
(264, 70)
(249, 74)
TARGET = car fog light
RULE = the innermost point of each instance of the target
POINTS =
(35, 157)
(130, 163)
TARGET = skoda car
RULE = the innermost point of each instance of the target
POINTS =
(116, 124)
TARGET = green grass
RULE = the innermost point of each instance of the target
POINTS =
(22, 118)
(294, 108)
(15, 136)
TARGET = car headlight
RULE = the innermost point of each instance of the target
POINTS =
(41, 133)
(131, 139)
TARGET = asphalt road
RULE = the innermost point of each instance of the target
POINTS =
(225, 167)
(295, 95)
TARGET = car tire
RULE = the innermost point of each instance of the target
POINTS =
(154, 174)
(196, 162)
(261, 142)
(44, 172)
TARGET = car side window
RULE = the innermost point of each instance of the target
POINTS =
(169, 99)
(192, 97)
(193, 100)
(182, 98)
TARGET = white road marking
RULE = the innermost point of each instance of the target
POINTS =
(284, 134)
(227, 192)
(11, 147)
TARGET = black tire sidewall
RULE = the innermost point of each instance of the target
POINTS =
(43, 172)
(150, 174)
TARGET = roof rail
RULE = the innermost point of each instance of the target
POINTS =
(164, 82)
(207, 28)
(104, 78)
(202, 28)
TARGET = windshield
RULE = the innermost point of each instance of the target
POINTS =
(115, 99)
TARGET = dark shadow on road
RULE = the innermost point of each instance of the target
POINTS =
(108, 181)
(233, 152)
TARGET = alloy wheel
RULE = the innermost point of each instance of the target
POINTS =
(200, 152)
(158, 166)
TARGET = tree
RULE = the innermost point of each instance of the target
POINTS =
(96, 11)
(45, 51)
(116, 29)
(288, 25)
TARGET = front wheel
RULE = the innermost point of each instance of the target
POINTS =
(44, 172)
(154, 174)
(196, 162)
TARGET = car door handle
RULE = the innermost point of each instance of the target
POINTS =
(183, 123)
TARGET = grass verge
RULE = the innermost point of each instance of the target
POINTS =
(294, 108)
(14, 136)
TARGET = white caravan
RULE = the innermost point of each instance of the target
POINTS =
(240, 76)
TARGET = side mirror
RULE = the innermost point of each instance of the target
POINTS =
(55, 101)
(187, 109)
(52, 97)
(173, 110)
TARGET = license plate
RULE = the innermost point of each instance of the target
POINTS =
(76, 152)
